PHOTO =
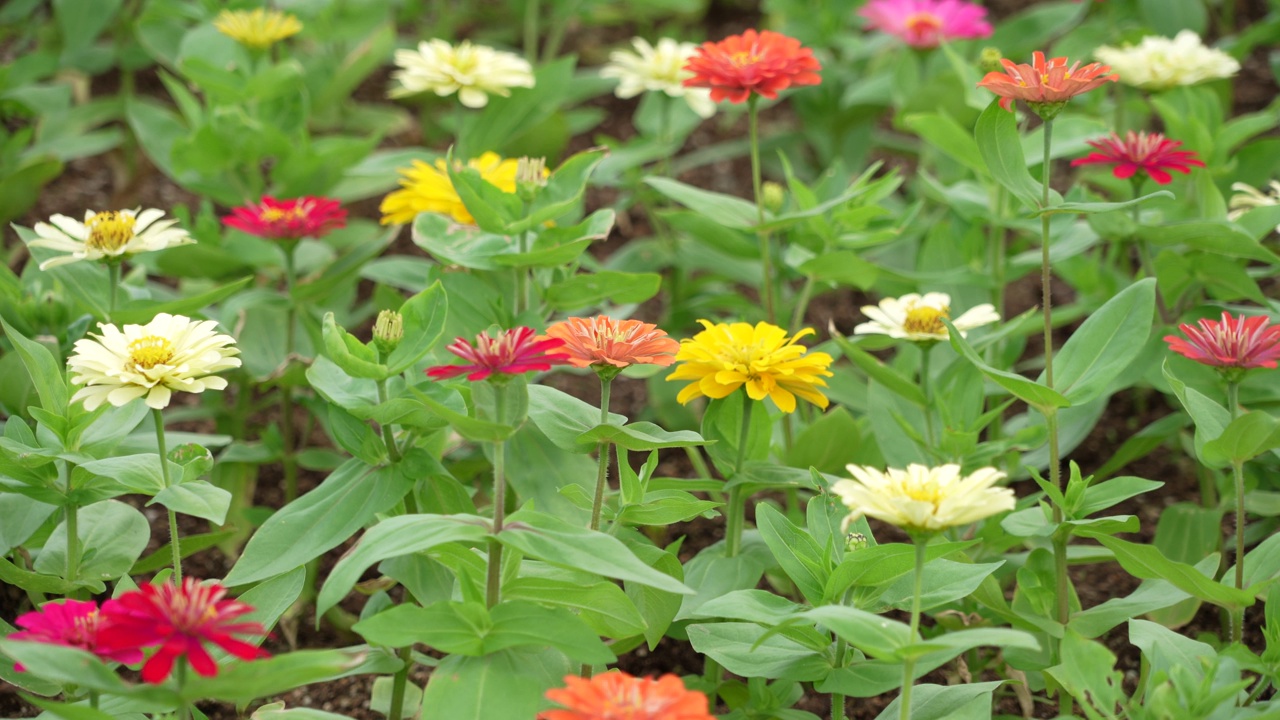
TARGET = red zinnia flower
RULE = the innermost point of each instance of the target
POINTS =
(1235, 342)
(70, 623)
(764, 63)
(1151, 153)
(602, 340)
(312, 217)
(1044, 82)
(180, 619)
(618, 696)
(513, 352)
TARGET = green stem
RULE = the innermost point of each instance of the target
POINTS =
(1046, 291)
(388, 434)
(398, 684)
(908, 667)
(113, 283)
(1237, 474)
(766, 256)
(926, 387)
(174, 545)
(493, 588)
(837, 707)
(73, 540)
(802, 302)
(289, 460)
(522, 275)
(602, 473)
(184, 709)
(531, 10)
(736, 519)
(93, 699)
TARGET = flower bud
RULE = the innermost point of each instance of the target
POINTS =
(855, 541)
(989, 60)
(531, 176)
(773, 195)
(388, 331)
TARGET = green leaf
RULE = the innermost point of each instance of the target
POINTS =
(142, 311)
(946, 702)
(641, 436)
(563, 191)
(468, 427)
(1103, 495)
(602, 605)
(758, 606)
(558, 246)
(354, 357)
(1166, 649)
(46, 374)
(944, 581)
(1150, 596)
(1092, 208)
(873, 634)
(726, 210)
(501, 686)
(749, 650)
(564, 418)
(1247, 437)
(1148, 563)
(1033, 393)
(878, 371)
(196, 498)
(664, 507)
(947, 135)
(588, 290)
(795, 550)
(424, 319)
(112, 536)
(1105, 344)
(843, 267)
(657, 607)
(1214, 237)
(997, 136)
(1087, 672)
(73, 666)
(243, 682)
(1211, 419)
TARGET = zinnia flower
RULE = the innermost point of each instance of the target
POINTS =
(179, 619)
(1236, 342)
(1151, 153)
(724, 357)
(1158, 63)
(763, 62)
(472, 71)
(69, 623)
(601, 340)
(112, 235)
(273, 219)
(926, 23)
(1045, 85)
(1248, 197)
(169, 353)
(512, 352)
(429, 189)
(258, 29)
(616, 695)
(923, 499)
(919, 317)
(658, 69)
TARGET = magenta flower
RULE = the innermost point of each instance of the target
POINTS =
(926, 23)
(1235, 342)
(180, 619)
(70, 623)
(512, 352)
(1151, 153)
(273, 219)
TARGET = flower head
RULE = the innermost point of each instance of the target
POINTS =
(926, 23)
(180, 619)
(923, 499)
(70, 623)
(257, 29)
(1151, 153)
(512, 352)
(763, 63)
(427, 188)
(1158, 63)
(169, 353)
(1248, 197)
(273, 219)
(112, 235)
(763, 358)
(603, 341)
(616, 695)
(388, 331)
(919, 317)
(1044, 84)
(474, 72)
(658, 69)
(1234, 342)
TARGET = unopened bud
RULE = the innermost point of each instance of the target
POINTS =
(855, 541)
(388, 331)
(531, 175)
(990, 59)
(773, 196)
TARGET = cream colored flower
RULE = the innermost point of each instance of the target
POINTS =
(258, 29)
(474, 72)
(657, 69)
(1248, 197)
(108, 234)
(923, 499)
(169, 353)
(919, 317)
(1158, 63)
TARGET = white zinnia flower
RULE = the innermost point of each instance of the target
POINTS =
(916, 317)
(108, 234)
(658, 69)
(1248, 197)
(472, 71)
(169, 353)
(922, 498)
(1158, 63)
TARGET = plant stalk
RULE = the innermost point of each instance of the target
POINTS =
(73, 539)
(737, 500)
(173, 516)
(926, 387)
(288, 460)
(602, 473)
(908, 667)
(113, 283)
(766, 257)
(398, 684)
(388, 435)
(1237, 474)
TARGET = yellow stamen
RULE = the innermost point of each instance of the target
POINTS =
(922, 21)
(109, 231)
(149, 351)
(926, 320)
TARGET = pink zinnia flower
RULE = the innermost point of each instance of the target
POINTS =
(70, 623)
(312, 217)
(926, 23)
(180, 619)
(1235, 342)
(762, 62)
(1151, 153)
(1044, 82)
(512, 352)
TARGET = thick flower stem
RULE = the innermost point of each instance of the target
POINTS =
(771, 312)
(388, 435)
(73, 540)
(493, 588)
(1237, 474)
(531, 10)
(1046, 291)
(288, 459)
(736, 518)
(174, 546)
(398, 683)
(522, 274)
(926, 388)
(184, 708)
(909, 667)
(602, 474)
(113, 285)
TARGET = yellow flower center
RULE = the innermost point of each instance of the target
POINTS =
(276, 214)
(109, 231)
(923, 492)
(926, 320)
(149, 351)
(743, 59)
(923, 22)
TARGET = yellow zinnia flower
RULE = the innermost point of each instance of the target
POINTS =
(762, 357)
(429, 189)
(923, 499)
(257, 29)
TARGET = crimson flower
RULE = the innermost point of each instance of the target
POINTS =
(1235, 342)
(70, 623)
(308, 216)
(180, 619)
(512, 352)
(926, 23)
(618, 696)
(1151, 153)
(1045, 85)
(763, 62)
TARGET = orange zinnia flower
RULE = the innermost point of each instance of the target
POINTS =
(602, 340)
(1045, 85)
(763, 63)
(617, 695)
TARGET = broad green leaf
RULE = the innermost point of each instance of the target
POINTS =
(1166, 649)
(1103, 495)
(1150, 596)
(641, 436)
(1247, 437)
(997, 136)
(1033, 393)
(726, 210)
(1105, 344)
(468, 427)
(142, 311)
(424, 318)
(1087, 672)
(602, 605)
(971, 701)
(758, 606)
(196, 498)
(878, 371)
(1211, 418)
(112, 536)
(564, 418)
(592, 289)
(1147, 562)
(501, 686)
(1214, 237)
(745, 649)
(243, 682)
(657, 607)
(944, 581)
(1091, 208)
(947, 135)
(47, 375)
(795, 550)
(354, 357)
(873, 634)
